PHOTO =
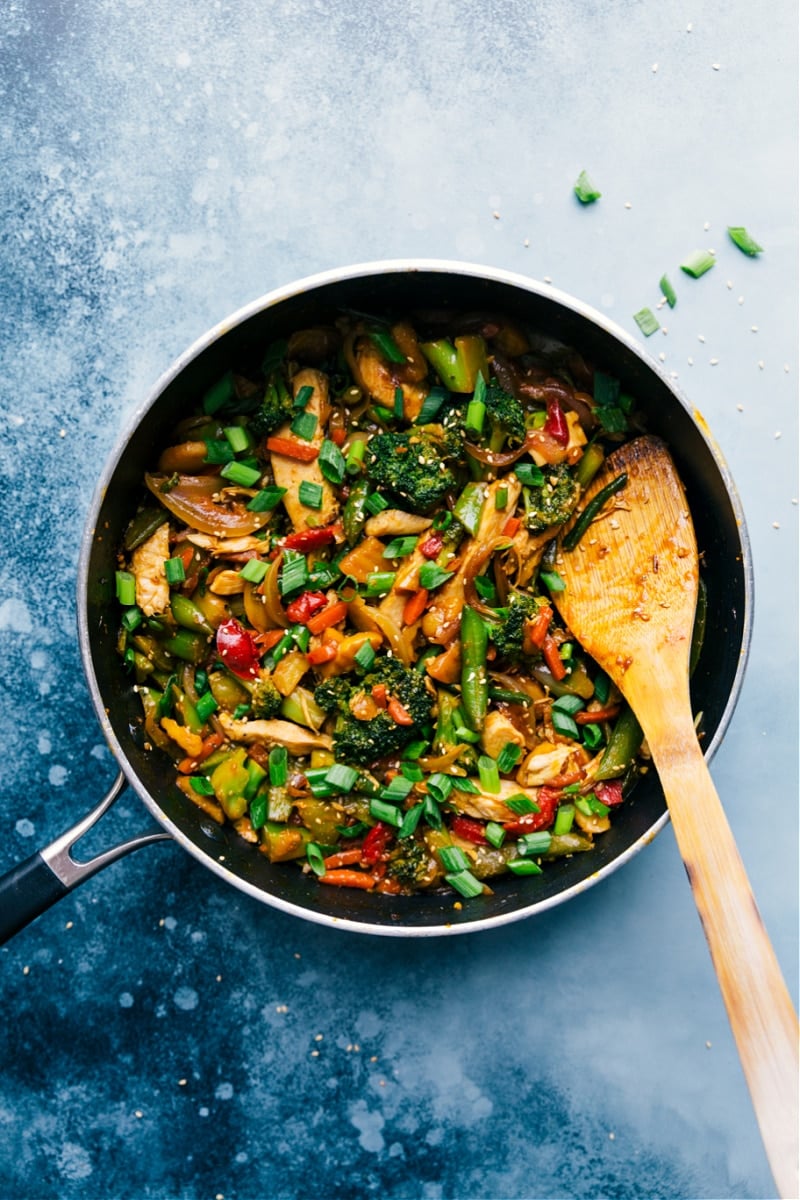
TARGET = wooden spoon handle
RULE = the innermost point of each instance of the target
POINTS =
(758, 1003)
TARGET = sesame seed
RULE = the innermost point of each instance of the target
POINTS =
(526, 243)
(740, 408)
(68, 925)
(761, 364)
(775, 525)
(729, 285)
(778, 434)
(628, 204)
(654, 68)
(740, 300)
(182, 1082)
(318, 1037)
(715, 66)
(662, 357)
(496, 215)
(547, 279)
(315, 1053)
(754, 329)
(26, 970)
(713, 361)
(689, 27)
(664, 329)
(612, 1135)
(700, 337)
(707, 226)
(138, 1114)
(690, 361)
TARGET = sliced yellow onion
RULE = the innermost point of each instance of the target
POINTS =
(205, 502)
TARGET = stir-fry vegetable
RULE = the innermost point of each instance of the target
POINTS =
(335, 604)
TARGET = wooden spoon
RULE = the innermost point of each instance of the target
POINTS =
(630, 596)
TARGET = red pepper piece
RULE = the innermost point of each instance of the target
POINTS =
(376, 843)
(548, 801)
(556, 423)
(610, 792)
(303, 608)
(432, 545)
(311, 539)
(237, 649)
(469, 829)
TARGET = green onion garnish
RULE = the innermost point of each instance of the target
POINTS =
(218, 450)
(310, 494)
(432, 813)
(522, 804)
(431, 405)
(388, 813)
(697, 263)
(206, 705)
(592, 736)
(443, 520)
(647, 321)
(524, 866)
(568, 704)
(564, 724)
(466, 735)
(258, 811)
(174, 570)
(741, 238)
(240, 712)
(529, 474)
(552, 581)
(278, 766)
(410, 821)
(219, 394)
(565, 815)
(341, 777)
(431, 576)
(602, 687)
(316, 859)
(501, 498)
(508, 757)
(303, 396)
(412, 771)
(254, 570)
(453, 858)
(201, 785)
(132, 619)
(461, 783)
(126, 588)
(668, 291)
(488, 774)
(238, 438)
(380, 582)
(605, 388)
(440, 787)
(375, 503)
(387, 345)
(415, 750)
(365, 656)
(534, 843)
(399, 404)
(485, 588)
(294, 572)
(495, 834)
(355, 457)
(332, 462)
(476, 414)
(267, 499)
(465, 883)
(585, 190)
(353, 831)
(304, 426)
(397, 789)
(399, 547)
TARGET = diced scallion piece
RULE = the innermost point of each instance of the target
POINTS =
(501, 498)
(697, 263)
(332, 462)
(410, 821)
(206, 705)
(389, 813)
(534, 843)
(278, 766)
(495, 834)
(126, 588)
(219, 394)
(668, 291)
(746, 243)
(304, 426)
(365, 656)
(440, 786)
(315, 858)
(341, 777)
(238, 437)
(585, 190)
(399, 404)
(529, 474)
(647, 321)
(239, 473)
(465, 883)
(397, 790)
(201, 785)
(565, 815)
(132, 619)
(552, 581)
(431, 405)
(399, 547)
(431, 576)
(564, 724)
(453, 858)
(310, 494)
(303, 396)
(174, 570)
(524, 866)
(355, 457)
(568, 704)
(508, 758)
(294, 572)
(375, 503)
(522, 804)
(488, 774)
(461, 784)
(387, 345)
(476, 415)
(380, 582)
(267, 499)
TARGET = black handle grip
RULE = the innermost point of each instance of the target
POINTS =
(26, 891)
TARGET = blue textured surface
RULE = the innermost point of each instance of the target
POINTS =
(162, 1035)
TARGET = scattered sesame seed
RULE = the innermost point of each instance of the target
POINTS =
(547, 279)
(664, 329)
(526, 243)
(754, 329)
(318, 1037)
(218, 978)
(786, 368)
(775, 525)
(315, 1053)
(690, 361)
(794, 500)
(26, 970)
(778, 434)
(628, 204)
(713, 361)
(689, 27)
(729, 285)
(612, 1135)
(761, 364)
(382, 1083)
(62, 433)
(707, 226)
(138, 1114)
(654, 68)
(708, 1045)
(661, 302)
(715, 66)
(68, 925)
(373, 1058)
(662, 357)
(740, 408)
(496, 215)
(281, 1008)
(673, 374)
(740, 300)
(700, 337)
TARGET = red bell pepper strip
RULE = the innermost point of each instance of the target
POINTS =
(237, 649)
(303, 608)
(587, 717)
(610, 792)
(432, 545)
(311, 539)
(399, 715)
(556, 423)
(547, 801)
(469, 829)
(538, 627)
(415, 606)
(376, 843)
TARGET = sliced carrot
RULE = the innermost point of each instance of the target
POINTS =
(289, 448)
(338, 436)
(346, 878)
(213, 742)
(187, 557)
(269, 639)
(331, 615)
(599, 714)
(415, 606)
(537, 628)
(399, 715)
(552, 658)
(344, 858)
(511, 526)
(380, 695)
(322, 654)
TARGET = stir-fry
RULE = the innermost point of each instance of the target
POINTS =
(337, 604)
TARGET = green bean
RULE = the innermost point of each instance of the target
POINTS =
(623, 746)
(187, 614)
(474, 675)
(589, 465)
(355, 512)
(143, 526)
(592, 509)
(190, 647)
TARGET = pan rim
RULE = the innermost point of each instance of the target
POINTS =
(269, 300)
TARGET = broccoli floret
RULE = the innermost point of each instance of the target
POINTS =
(552, 501)
(275, 408)
(412, 467)
(508, 635)
(265, 699)
(505, 418)
(365, 741)
(409, 863)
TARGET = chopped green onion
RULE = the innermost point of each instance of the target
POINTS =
(375, 503)
(219, 394)
(590, 806)
(612, 419)
(568, 704)
(332, 462)
(387, 345)
(218, 450)
(294, 572)
(174, 570)
(488, 774)
(355, 457)
(534, 843)
(432, 813)
(431, 405)
(431, 576)
(524, 866)
(399, 547)
(383, 414)
(240, 712)
(495, 834)
(605, 388)
(462, 784)
(529, 474)
(278, 766)
(741, 238)
(303, 396)
(341, 777)
(254, 570)
(316, 859)
(585, 190)
(397, 789)
(565, 651)
(380, 582)
(508, 757)
(304, 426)
(353, 831)
(465, 883)
(280, 650)
(267, 499)
(552, 581)
(564, 724)
(476, 415)
(647, 321)
(410, 821)
(126, 588)
(485, 588)
(238, 438)
(697, 263)
(453, 858)
(365, 656)
(206, 705)
(301, 637)
(258, 811)
(443, 520)
(565, 815)
(602, 687)
(389, 813)
(415, 750)
(201, 785)
(412, 771)
(522, 804)
(501, 498)
(668, 291)
(592, 736)
(320, 788)
(132, 619)
(466, 735)
(310, 494)
(440, 786)
(399, 404)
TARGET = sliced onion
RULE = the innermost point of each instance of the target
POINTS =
(273, 609)
(206, 503)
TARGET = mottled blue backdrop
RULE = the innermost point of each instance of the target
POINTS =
(161, 1035)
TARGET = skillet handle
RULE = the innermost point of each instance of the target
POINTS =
(29, 889)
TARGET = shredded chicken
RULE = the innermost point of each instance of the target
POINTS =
(289, 473)
(394, 521)
(498, 731)
(295, 738)
(147, 564)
